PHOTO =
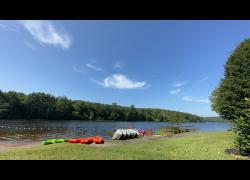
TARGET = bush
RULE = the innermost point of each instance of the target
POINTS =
(242, 130)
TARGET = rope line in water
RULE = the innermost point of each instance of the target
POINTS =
(42, 129)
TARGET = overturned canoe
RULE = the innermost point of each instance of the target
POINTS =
(118, 134)
(133, 133)
(125, 134)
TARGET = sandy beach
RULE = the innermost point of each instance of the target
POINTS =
(8, 145)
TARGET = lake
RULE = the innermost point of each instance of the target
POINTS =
(35, 130)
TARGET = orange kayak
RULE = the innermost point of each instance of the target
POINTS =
(98, 140)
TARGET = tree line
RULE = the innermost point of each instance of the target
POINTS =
(16, 105)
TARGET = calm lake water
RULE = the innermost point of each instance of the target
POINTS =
(35, 130)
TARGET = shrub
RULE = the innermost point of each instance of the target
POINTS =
(242, 130)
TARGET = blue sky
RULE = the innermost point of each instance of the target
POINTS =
(161, 64)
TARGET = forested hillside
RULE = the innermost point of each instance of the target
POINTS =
(15, 105)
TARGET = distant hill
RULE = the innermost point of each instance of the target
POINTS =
(15, 105)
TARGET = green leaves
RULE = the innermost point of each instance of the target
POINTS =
(242, 130)
(228, 99)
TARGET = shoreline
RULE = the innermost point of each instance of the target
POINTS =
(8, 145)
(193, 146)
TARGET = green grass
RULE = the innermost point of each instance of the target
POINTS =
(190, 146)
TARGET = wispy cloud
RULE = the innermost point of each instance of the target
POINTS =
(175, 91)
(179, 84)
(46, 33)
(78, 70)
(203, 79)
(195, 100)
(91, 66)
(119, 64)
(10, 25)
(120, 81)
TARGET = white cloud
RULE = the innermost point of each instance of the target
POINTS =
(203, 79)
(175, 91)
(119, 64)
(46, 33)
(195, 100)
(94, 67)
(179, 84)
(120, 81)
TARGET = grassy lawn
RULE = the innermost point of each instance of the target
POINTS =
(192, 146)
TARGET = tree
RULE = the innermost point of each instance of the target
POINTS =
(132, 113)
(64, 108)
(91, 115)
(80, 110)
(40, 106)
(4, 105)
(16, 107)
(228, 99)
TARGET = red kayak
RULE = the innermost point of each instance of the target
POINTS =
(74, 141)
(89, 140)
(84, 141)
